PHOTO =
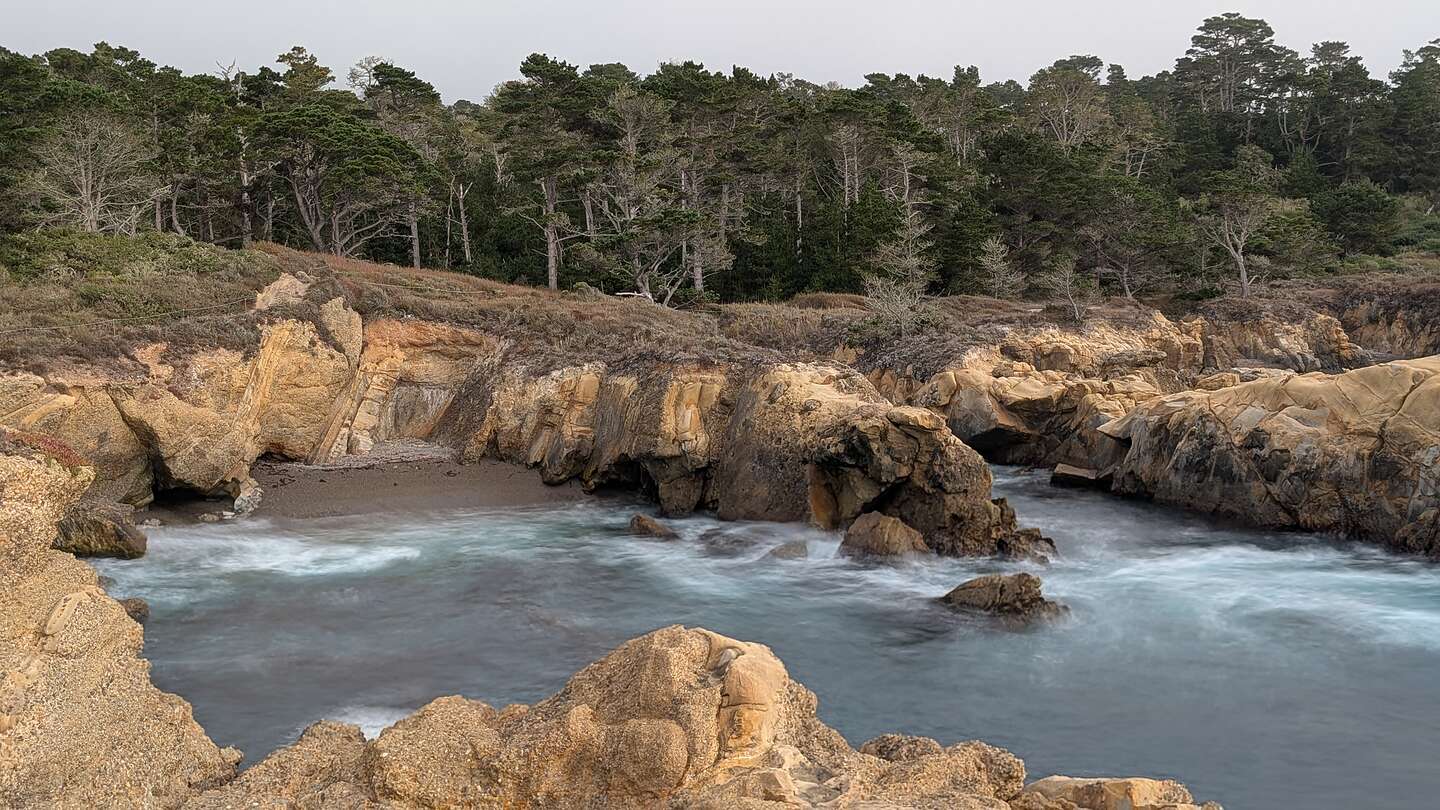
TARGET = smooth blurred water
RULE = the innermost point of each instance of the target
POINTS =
(1263, 670)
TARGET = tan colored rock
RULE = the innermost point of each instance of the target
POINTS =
(1115, 794)
(80, 724)
(86, 420)
(900, 747)
(1011, 596)
(677, 718)
(646, 526)
(876, 535)
(283, 291)
(1353, 453)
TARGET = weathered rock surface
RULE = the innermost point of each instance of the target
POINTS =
(646, 526)
(876, 535)
(677, 718)
(788, 443)
(1064, 792)
(94, 529)
(1015, 597)
(1353, 453)
(80, 724)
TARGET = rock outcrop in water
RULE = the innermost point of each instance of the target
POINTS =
(765, 441)
(1016, 598)
(1356, 453)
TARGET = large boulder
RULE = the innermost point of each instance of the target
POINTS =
(905, 463)
(1013, 597)
(876, 535)
(1353, 453)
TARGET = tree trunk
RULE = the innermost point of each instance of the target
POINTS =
(464, 232)
(414, 215)
(549, 187)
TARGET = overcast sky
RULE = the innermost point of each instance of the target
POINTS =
(466, 47)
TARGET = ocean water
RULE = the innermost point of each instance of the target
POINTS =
(1264, 670)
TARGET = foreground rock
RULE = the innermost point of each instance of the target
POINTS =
(1064, 792)
(80, 723)
(1017, 598)
(877, 535)
(1353, 453)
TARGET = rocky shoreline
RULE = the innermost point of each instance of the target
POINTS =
(678, 718)
(1280, 420)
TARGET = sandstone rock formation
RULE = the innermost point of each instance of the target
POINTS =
(678, 718)
(1064, 792)
(1014, 597)
(877, 535)
(80, 723)
(797, 442)
(1353, 453)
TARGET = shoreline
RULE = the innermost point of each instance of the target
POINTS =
(396, 477)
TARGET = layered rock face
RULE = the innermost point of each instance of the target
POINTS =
(1039, 397)
(1353, 453)
(80, 723)
(798, 442)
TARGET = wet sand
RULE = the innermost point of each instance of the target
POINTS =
(389, 484)
(394, 478)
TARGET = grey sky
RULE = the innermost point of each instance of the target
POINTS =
(465, 48)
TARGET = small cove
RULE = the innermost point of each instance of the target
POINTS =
(1262, 669)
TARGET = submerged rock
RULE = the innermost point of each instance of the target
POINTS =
(793, 550)
(92, 529)
(1025, 544)
(643, 525)
(876, 535)
(1015, 597)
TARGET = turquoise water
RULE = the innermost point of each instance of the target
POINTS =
(1263, 670)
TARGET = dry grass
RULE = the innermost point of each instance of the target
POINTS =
(827, 300)
(69, 298)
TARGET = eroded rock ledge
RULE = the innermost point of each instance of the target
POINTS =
(766, 441)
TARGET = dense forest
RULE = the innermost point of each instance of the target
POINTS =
(1246, 162)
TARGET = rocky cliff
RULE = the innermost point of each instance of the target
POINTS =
(750, 438)
(80, 723)
(1356, 454)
